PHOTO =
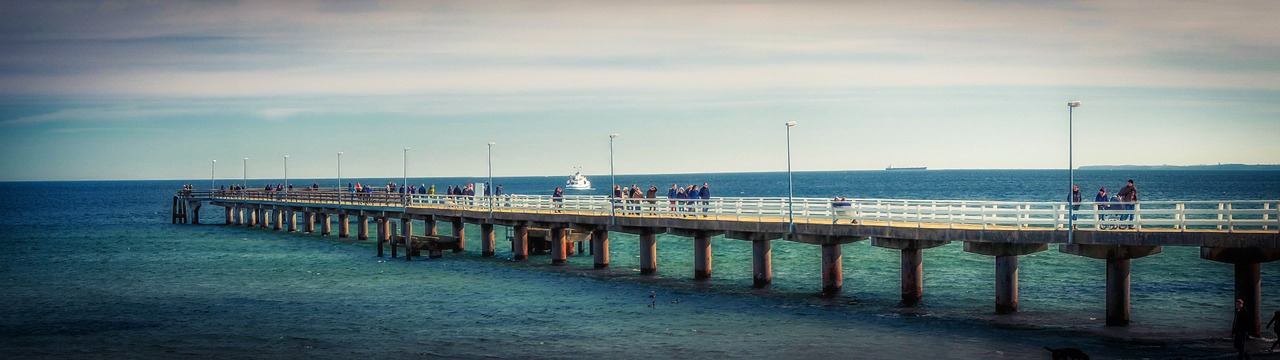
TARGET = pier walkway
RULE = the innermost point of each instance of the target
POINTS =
(1243, 233)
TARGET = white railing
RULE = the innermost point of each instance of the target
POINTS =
(1230, 216)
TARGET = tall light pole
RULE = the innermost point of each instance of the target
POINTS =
(791, 210)
(339, 171)
(612, 182)
(286, 176)
(405, 184)
(490, 188)
(1071, 172)
(212, 167)
(245, 185)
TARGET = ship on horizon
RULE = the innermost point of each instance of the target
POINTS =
(891, 168)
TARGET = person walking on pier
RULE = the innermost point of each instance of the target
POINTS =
(1101, 199)
(1128, 194)
(705, 194)
(1075, 203)
(671, 196)
(1240, 330)
(680, 196)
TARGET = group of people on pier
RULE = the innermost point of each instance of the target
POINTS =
(628, 198)
(1123, 201)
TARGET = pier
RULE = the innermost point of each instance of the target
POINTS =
(1242, 233)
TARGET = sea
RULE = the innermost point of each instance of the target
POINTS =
(95, 270)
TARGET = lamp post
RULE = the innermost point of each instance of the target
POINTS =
(212, 167)
(339, 178)
(405, 184)
(490, 188)
(791, 221)
(612, 182)
(286, 176)
(1071, 172)
(245, 184)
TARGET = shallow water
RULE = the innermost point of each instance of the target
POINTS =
(95, 270)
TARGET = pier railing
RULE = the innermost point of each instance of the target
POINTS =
(1163, 216)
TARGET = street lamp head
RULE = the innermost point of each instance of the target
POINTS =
(286, 156)
(339, 153)
(613, 136)
(215, 161)
(1074, 104)
(791, 123)
(406, 149)
(246, 158)
(492, 143)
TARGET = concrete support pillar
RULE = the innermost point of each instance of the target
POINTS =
(324, 224)
(392, 241)
(1006, 284)
(702, 256)
(832, 270)
(648, 253)
(600, 248)
(761, 263)
(1117, 291)
(912, 276)
(520, 242)
(308, 222)
(253, 217)
(291, 220)
(384, 234)
(227, 213)
(277, 223)
(460, 232)
(486, 240)
(430, 222)
(344, 226)
(570, 247)
(263, 219)
(558, 246)
(195, 212)
(362, 227)
(1249, 289)
(406, 234)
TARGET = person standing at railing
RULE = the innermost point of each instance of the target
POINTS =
(671, 196)
(680, 196)
(1075, 203)
(693, 193)
(705, 194)
(1129, 195)
(617, 196)
(557, 197)
(652, 194)
(1101, 200)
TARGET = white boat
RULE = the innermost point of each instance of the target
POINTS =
(577, 182)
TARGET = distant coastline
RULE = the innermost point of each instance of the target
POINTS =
(1273, 167)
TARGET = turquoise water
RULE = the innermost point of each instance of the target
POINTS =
(95, 270)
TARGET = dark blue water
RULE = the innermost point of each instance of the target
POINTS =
(95, 270)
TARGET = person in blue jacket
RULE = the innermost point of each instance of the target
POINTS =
(705, 194)
(671, 196)
(680, 196)
(1101, 199)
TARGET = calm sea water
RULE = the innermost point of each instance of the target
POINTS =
(95, 270)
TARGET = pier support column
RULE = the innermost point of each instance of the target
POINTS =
(832, 270)
(486, 240)
(761, 263)
(384, 234)
(1118, 264)
(558, 246)
(600, 248)
(264, 220)
(406, 234)
(227, 210)
(277, 222)
(308, 222)
(362, 227)
(648, 253)
(430, 222)
(253, 217)
(344, 225)
(912, 264)
(520, 242)
(460, 232)
(291, 219)
(324, 224)
(702, 256)
(1248, 276)
(1006, 269)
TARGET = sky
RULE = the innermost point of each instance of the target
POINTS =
(159, 90)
